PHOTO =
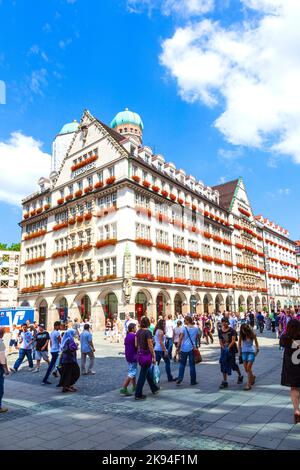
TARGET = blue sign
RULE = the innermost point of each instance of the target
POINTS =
(16, 316)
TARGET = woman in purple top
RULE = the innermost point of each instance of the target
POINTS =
(131, 358)
(69, 368)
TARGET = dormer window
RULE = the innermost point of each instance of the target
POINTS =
(125, 129)
(159, 166)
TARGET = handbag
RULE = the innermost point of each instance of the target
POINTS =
(197, 353)
(155, 373)
(144, 358)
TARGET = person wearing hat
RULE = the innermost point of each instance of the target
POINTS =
(42, 340)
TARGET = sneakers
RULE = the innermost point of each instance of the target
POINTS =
(55, 374)
(91, 372)
(240, 379)
(195, 383)
(14, 370)
(178, 382)
(142, 397)
(224, 385)
(125, 392)
(3, 409)
(46, 382)
(156, 391)
(35, 371)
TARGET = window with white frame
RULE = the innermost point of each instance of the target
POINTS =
(194, 274)
(143, 265)
(142, 231)
(162, 237)
(179, 270)
(142, 200)
(178, 241)
(163, 268)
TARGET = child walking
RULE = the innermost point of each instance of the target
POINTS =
(248, 352)
(131, 358)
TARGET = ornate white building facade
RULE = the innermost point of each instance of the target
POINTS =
(117, 229)
(281, 266)
(9, 276)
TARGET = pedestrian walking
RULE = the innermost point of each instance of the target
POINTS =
(176, 335)
(290, 374)
(55, 340)
(69, 368)
(169, 335)
(131, 358)
(207, 331)
(160, 347)
(25, 348)
(42, 339)
(146, 356)
(228, 338)
(87, 349)
(4, 370)
(248, 349)
(13, 342)
(188, 339)
(152, 325)
(260, 319)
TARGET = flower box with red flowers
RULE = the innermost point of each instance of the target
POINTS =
(228, 263)
(180, 201)
(110, 180)
(179, 251)
(217, 218)
(238, 227)
(87, 246)
(79, 219)
(145, 277)
(218, 261)
(155, 188)
(207, 235)
(166, 279)
(227, 242)
(219, 285)
(85, 162)
(217, 238)
(69, 197)
(207, 258)
(206, 213)
(194, 254)
(144, 242)
(59, 284)
(240, 246)
(146, 183)
(32, 213)
(193, 229)
(46, 207)
(194, 208)
(163, 246)
(196, 283)
(60, 201)
(98, 185)
(208, 284)
(172, 197)
(37, 234)
(40, 259)
(75, 249)
(72, 221)
(165, 193)
(26, 216)
(59, 254)
(240, 265)
(78, 193)
(60, 226)
(39, 210)
(109, 241)
(88, 216)
(244, 212)
(108, 277)
(28, 290)
(179, 280)
(136, 178)
(88, 189)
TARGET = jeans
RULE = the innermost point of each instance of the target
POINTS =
(261, 326)
(159, 356)
(182, 364)
(144, 374)
(1, 384)
(83, 361)
(22, 354)
(169, 346)
(54, 357)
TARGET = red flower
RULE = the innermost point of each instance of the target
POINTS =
(88, 216)
(99, 184)
(69, 197)
(165, 193)
(155, 188)
(88, 189)
(110, 241)
(84, 163)
(194, 208)
(78, 193)
(60, 201)
(144, 241)
(46, 207)
(172, 197)
(136, 178)
(146, 183)
(180, 201)
(111, 180)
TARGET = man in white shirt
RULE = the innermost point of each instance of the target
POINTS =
(169, 335)
(25, 344)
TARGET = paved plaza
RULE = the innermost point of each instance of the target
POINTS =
(178, 418)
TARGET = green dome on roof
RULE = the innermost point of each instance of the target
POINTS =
(70, 127)
(127, 117)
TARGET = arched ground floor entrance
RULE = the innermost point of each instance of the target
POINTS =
(161, 304)
(141, 303)
(85, 308)
(43, 313)
(62, 309)
(111, 306)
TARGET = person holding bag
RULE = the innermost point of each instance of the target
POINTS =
(188, 339)
(146, 357)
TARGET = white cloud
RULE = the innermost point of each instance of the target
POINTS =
(284, 191)
(184, 8)
(37, 81)
(250, 70)
(64, 43)
(22, 163)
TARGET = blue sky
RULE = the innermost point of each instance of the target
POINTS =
(185, 70)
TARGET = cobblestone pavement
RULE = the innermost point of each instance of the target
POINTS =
(201, 417)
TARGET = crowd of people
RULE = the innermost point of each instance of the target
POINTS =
(147, 343)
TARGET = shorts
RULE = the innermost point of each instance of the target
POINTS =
(12, 342)
(248, 356)
(39, 355)
(132, 370)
